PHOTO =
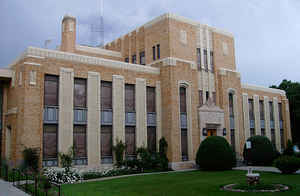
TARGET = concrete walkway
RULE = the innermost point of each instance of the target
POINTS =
(257, 168)
(7, 189)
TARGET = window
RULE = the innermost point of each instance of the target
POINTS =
(158, 51)
(232, 138)
(200, 97)
(199, 59)
(252, 132)
(184, 138)
(106, 144)
(231, 112)
(182, 100)
(263, 132)
(151, 99)
(271, 111)
(50, 142)
(282, 138)
(273, 137)
(153, 53)
(130, 141)
(126, 60)
(212, 61)
(151, 138)
(251, 109)
(280, 111)
(106, 95)
(261, 110)
(207, 95)
(142, 58)
(205, 60)
(129, 98)
(134, 59)
(51, 90)
(80, 93)
(79, 142)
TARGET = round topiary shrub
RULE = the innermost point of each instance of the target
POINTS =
(215, 153)
(261, 152)
(287, 164)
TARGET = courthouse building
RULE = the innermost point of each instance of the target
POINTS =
(172, 77)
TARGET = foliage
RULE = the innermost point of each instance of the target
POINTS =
(261, 152)
(31, 158)
(119, 150)
(62, 176)
(292, 90)
(107, 173)
(287, 164)
(163, 159)
(66, 158)
(44, 182)
(211, 151)
(289, 150)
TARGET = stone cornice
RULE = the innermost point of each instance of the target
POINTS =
(97, 50)
(59, 55)
(6, 73)
(264, 89)
(173, 61)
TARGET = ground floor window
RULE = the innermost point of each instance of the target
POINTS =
(252, 132)
(273, 139)
(263, 132)
(130, 142)
(184, 145)
(232, 138)
(80, 145)
(50, 145)
(106, 144)
(282, 138)
(151, 139)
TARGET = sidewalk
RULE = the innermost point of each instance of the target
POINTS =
(258, 168)
(7, 189)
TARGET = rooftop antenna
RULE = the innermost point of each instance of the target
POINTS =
(97, 29)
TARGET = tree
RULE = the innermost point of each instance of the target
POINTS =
(292, 90)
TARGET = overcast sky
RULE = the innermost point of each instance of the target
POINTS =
(267, 32)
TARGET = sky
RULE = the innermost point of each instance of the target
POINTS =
(266, 32)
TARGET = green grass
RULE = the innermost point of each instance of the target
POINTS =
(181, 184)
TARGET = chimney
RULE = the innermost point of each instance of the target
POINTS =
(68, 38)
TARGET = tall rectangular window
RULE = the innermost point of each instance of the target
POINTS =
(158, 51)
(231, 112)
(151, 99)
(129, 98)
(182, 99)
(106, 144)
(205, 60)
(212, 61)
(106, 95)
(80, 93)
(200, 97)
(50, 143)
(199, 59)
(183, 120)
(271, 111)
(273, 137)
(280, 111)
(207, 95)
(127, 60)
(232, 138)
(134, 59)
(51, 90)
(130, 142)
(79, 142)
(142, 58)
(153, 53)
(151, 139)
(151, 130)
(261, 110)
(251, 109)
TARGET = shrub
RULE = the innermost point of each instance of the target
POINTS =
(119, 150)
(215, 153)
(62, 176)
(163, 159)
(66, 158)
(289, 150)
(261, 152)
(31, 159)
(287, 164)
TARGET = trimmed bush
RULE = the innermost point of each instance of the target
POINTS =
(261, 152)
(289, 150)
(287, 164)
(215, 153)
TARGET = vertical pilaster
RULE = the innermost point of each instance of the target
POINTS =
(118, 109)
(141, 112)
(158, 113)
(236, 124)
(65, 130)
(246, 115)
(267, 117)
(256, 115)
(189, 122)
(276, 122)
(93, 127)
(286, 120)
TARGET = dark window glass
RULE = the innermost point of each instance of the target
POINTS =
(51, 90)
(151, 139)
(231, 112)
(153, 52)
(280, 111)
(282, 138)
(252, 132)
(271, 110)
(106, 95)
(150, 99)
(263, 132)
(251, 109)
(199, 58)
(129, 98)
(182, 99)
(232, 137)
(212, 61)
(261, 110)
(106, 141)
(134, 59)
(80, 93)
(158, 51)
(205, 60)
(142, 58)
(50, 142)
(79, 141)
(127, 60)
(200, 97)
(207, 95)
(130, 140)
(273, 137)
(184, 145)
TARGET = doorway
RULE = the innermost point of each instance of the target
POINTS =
(211, 132)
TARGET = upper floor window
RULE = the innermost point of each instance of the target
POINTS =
(261, 110)
(205, 60)
(251, 109)
(271, 111)
(280, 111)
(51, 90)
(158, 51)
(212, 61)
(151, 99)
(134, 59)
(126, 60)
(182, 92)
(207, 95)
(106, 95)
(129, 98)
(199, 58)
(80, 92)
(153, 53)
(142, 58)
(200, 97)
(231, 112)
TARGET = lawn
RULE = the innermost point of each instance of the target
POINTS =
(181, 184)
